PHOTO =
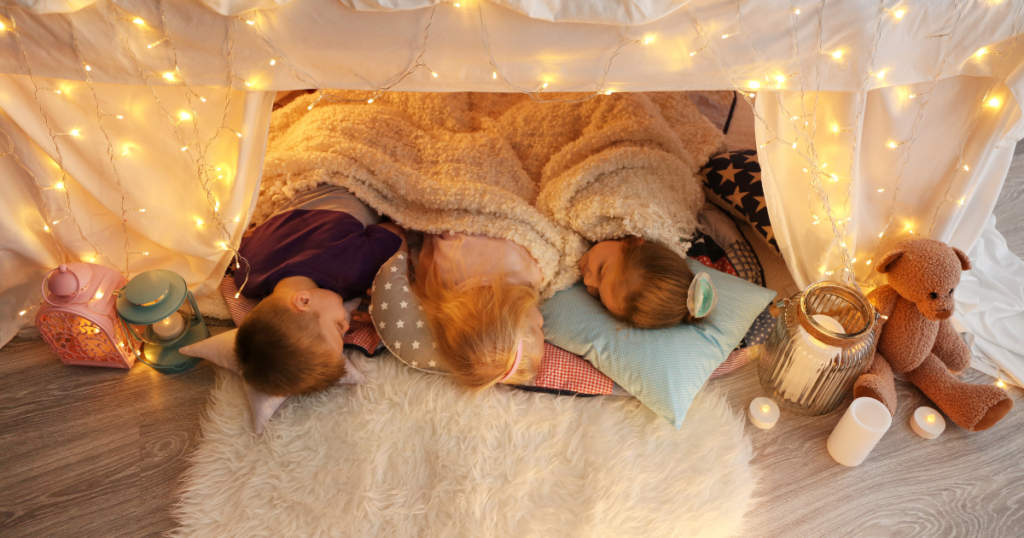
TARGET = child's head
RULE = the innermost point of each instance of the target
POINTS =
(478, 329)
(642, 283)
(292, 342)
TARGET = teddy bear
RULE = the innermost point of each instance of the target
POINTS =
(916, 338)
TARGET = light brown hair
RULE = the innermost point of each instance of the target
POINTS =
(282, 352)
(659, 283)
(477, 327)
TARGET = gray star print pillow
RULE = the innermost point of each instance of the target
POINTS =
(399, 318)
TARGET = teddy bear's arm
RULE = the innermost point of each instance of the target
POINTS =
(883, 298)
(951, 349)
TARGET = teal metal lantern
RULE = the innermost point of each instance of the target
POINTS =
(155, 307)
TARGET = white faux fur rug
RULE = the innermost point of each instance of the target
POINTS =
(412, 455)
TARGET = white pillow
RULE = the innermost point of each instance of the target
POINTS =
(220, 350)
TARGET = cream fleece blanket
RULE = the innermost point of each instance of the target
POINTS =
(475, 163)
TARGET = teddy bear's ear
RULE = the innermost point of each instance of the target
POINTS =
(889, 259)
(965, 262)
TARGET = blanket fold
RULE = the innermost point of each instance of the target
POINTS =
(543, 175)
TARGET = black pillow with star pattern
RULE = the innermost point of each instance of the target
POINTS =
(732, 181)
(399, 318)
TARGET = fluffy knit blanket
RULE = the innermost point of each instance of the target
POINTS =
(543, 175)
(617, 166)
(414, 455)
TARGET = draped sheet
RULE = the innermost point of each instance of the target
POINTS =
(853, 63)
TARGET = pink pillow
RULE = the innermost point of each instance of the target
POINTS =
(220, 350)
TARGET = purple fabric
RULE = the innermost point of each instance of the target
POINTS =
(330, 247)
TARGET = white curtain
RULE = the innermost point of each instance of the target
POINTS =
(848, 69)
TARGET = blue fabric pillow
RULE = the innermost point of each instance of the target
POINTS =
(663, 368)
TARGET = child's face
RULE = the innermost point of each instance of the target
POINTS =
(334, 319)
(602, 274)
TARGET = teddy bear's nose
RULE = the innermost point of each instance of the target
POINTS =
(944, 314)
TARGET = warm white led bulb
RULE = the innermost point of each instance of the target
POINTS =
(837, 54)
(46, 228)
(796, 11)
(993, 102)
(966, 168)
(99, 295)
(891, 145)
(169, 76)
(433, 74)
(88, 67)
(272, 62)
(981, 52)
(754, 84)
(494, 75)
(59, 186)
(199, 222)
(880, 74)
(184, 148)
(780, 78)
(184, 116)
(545, 85)
(120, 117)
(369, 101)
(899, 13)
(74, 132)
(250, 22)
(881, 190)
(138, 21)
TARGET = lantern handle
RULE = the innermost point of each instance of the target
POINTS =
(777, 307)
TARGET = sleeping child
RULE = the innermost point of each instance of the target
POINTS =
(644, 283)
(480, 298)
(320, 249)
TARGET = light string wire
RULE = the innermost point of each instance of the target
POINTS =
(100, 115)
(535, 93)
(800, 132)
(63, 184)
(998, 75)
(811, 163)
(199, 156)
(909, 143)
(307, 78)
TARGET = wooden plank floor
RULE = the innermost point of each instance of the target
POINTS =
(95, 452)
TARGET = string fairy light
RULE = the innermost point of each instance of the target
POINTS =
(987, 101)
(198, 157)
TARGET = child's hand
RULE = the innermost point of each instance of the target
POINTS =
(359, 315)
(400, 232)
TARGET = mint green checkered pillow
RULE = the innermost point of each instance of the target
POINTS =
(663, 368)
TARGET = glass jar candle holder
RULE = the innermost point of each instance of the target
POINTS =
(823, 341)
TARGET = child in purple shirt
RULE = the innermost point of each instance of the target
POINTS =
(322, 248)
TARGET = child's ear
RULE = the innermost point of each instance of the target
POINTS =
(301, 300)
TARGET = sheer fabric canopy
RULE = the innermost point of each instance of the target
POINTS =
(902, 115)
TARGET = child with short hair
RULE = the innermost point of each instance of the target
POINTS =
(324, 246)
(480, 297)
(642, 283)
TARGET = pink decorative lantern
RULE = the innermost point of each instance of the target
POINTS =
(79, 318)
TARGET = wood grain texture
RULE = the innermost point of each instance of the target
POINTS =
(92, 451)
(961, 484)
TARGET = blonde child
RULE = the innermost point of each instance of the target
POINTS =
(323, 247)
(480, 298)
(645, 284)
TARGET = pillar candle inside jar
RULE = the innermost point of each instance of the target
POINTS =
(809, 358)
(169, 327)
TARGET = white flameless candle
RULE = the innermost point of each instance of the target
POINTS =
(809, 358)
(763, 413)
(169, 327)
(927, 422)
(863, 424)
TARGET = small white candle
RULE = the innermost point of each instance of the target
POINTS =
(863, 424)
(763, 413)
(927, 422)
(169, 327)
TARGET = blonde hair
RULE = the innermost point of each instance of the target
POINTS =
(660, 284)
(478, 326)
(282, 351)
